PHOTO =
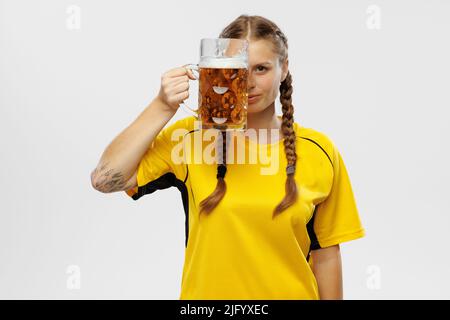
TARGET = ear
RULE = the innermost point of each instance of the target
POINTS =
(284, 70)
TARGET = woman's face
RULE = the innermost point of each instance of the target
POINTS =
(265, 75)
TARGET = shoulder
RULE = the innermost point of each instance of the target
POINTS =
(318, 139)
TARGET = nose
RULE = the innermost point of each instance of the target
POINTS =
(250, 82)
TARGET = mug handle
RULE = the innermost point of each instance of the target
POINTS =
(191, 67)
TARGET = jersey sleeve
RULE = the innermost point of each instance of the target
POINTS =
(160, 167)
(336, 218)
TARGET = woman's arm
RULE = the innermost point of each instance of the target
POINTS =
(116, 170)
(327, 268)
(120, 159)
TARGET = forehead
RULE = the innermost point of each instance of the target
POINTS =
(261, 51)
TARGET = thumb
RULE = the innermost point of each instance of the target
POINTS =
(190, 74)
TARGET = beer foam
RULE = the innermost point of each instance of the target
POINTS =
(222, 63)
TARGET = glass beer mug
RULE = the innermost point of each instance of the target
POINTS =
(222, 91)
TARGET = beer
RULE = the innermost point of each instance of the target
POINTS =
(223, 96)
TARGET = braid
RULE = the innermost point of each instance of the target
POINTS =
(280, 35)
(287, 128)
(256, 28)
(208, 204)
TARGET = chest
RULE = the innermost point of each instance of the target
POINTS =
(259, 186)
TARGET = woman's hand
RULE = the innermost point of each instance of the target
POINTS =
(175, 87)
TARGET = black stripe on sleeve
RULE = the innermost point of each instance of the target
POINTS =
(314, 245)
(320, 148)
(164, 182)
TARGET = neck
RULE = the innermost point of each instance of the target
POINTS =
(265, 119)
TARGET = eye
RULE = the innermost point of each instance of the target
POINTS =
(263, 68)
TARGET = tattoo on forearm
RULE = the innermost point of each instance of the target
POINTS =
(108, 180)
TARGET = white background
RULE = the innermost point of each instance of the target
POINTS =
(381, 94)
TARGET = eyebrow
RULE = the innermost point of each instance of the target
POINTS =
(263, 63)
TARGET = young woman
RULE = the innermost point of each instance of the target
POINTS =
(248, 235)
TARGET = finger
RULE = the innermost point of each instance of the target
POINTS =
(184, 86)
(180, 97)
(191, 74)
(178, 80)
(176, 72)
(171, 82)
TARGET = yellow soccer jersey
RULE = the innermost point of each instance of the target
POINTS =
(239, 251)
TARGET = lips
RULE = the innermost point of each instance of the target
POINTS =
(253, 98)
